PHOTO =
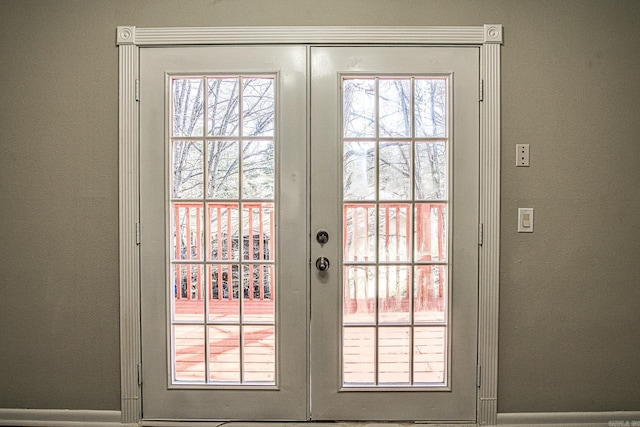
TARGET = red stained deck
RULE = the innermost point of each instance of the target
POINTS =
(258, 358)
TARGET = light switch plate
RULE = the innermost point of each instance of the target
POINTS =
(525, 220)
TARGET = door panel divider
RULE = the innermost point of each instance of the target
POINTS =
(130, 39)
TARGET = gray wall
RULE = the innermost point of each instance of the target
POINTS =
(570, 292)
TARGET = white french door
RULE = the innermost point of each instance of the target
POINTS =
(394, 176)
(309, 233)
(224, 263)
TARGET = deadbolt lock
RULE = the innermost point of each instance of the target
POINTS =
(322, 237)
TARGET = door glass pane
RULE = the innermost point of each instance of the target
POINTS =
(395, 231)
(257, 170)
(224, 291)
(359, 232)
(394, 224)
(258, 107)
(359, 355)
(359, 302)
(223, 107)
(394, 346)
(430, 294)
(429, 354)
(395, 170)
(187, 170)
(394, 294)
(189, 358)
(224, 355)
(257, 231)
(431, 170)
(431, 232)
(259, 354)
(359, 170)
(223, 231)
(223, 160)
(222, 250)
(258, 303)
(188, 99)
(395, 107)
(431, 107)
(359, 108)
(188, 283)
(187, 231)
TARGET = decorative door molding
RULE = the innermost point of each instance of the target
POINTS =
(130, 39)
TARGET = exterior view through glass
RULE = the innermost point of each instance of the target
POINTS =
(222, 249)
(395, 209)
(395, 302)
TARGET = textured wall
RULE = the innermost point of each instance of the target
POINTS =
(570, 292)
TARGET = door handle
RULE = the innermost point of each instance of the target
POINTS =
(322, 264)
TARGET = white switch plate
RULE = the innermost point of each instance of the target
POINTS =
(525, 220)
(522, 155)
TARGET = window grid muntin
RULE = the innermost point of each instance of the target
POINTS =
(204, 138)
(412, 202)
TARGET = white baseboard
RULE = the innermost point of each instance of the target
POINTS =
(571, 419)
(60, 418)
(90, 418)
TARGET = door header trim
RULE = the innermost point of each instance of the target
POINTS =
(174, 36)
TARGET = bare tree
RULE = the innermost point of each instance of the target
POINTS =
(395, 120)
(237, 109)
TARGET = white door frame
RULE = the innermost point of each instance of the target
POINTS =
(130, 39)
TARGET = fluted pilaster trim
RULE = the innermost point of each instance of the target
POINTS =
(490, 249)
(128, 218)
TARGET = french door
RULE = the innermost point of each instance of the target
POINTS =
(394, 176)
(309, 227)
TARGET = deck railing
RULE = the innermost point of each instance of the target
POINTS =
(228, 248)
(396, 232)
(220, 272)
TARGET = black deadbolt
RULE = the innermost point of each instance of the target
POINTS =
(322, 237)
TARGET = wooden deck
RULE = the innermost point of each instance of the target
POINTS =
(242, 349)
(394, 356)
